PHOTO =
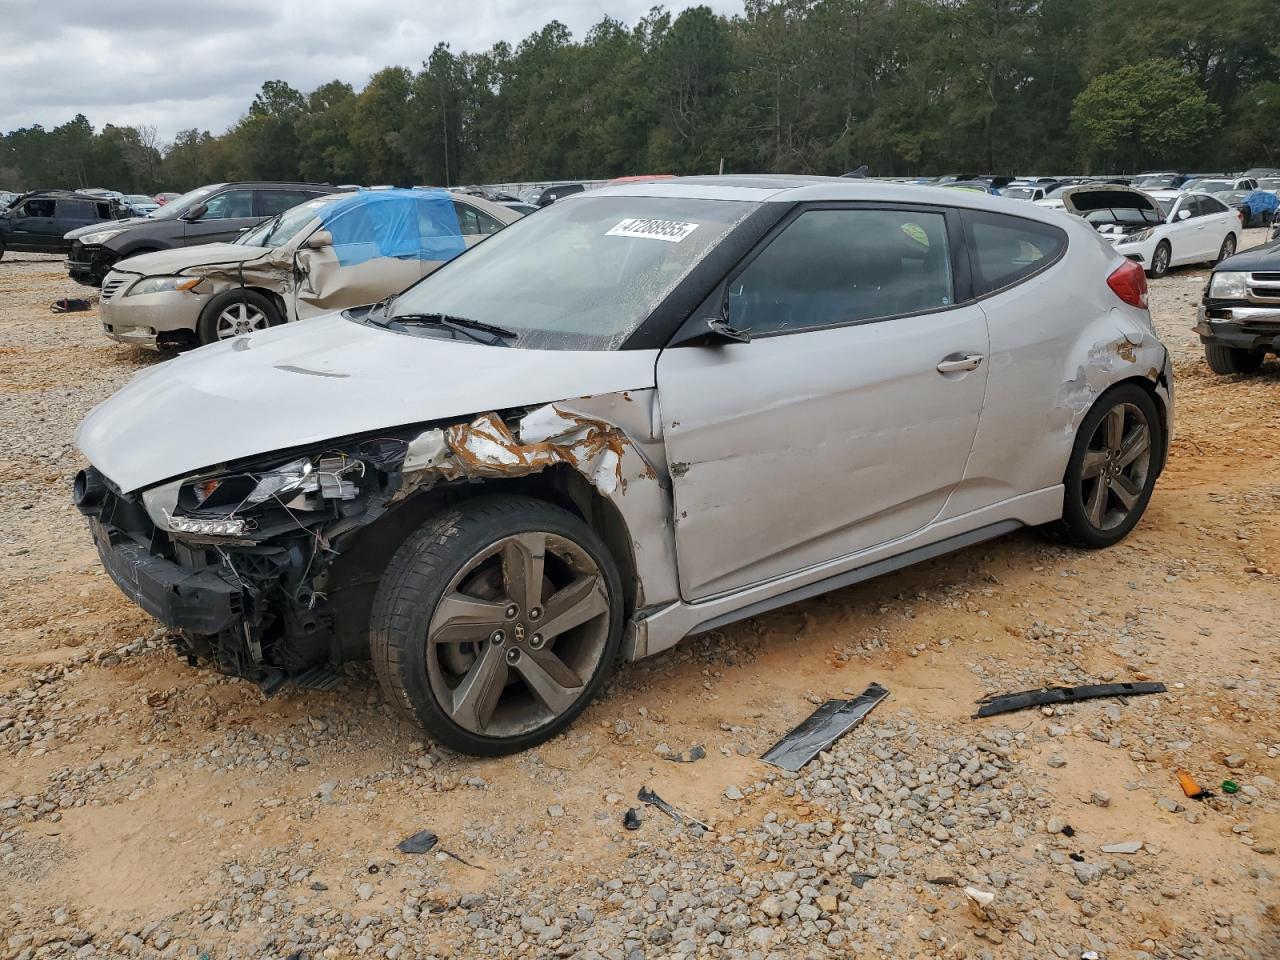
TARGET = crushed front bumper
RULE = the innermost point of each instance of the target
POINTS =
(1244, 328)
(89, 265)
(184, 600)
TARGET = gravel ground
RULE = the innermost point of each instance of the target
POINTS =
(148, 809)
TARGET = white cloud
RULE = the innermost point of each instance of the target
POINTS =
(178, 65)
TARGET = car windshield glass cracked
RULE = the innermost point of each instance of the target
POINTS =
(581, 275)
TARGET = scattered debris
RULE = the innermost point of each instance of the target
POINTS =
(421, 842)
(978, 902)
(822, 728)
(1068, 830)
(1090, 955)
(1125, 846)
(70, 305)
(631, 819)
(859, 879)
(1052, 696)
(1230, 786)
(1190, 787)
(1077, 857)
(696, 752)
(454, 856)
(652, 799)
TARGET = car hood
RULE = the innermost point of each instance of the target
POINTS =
(1081, 200)
(164, 262)
(103, 225)
(320, 379)
(1263, 258)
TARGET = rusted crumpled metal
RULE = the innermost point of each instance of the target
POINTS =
(486, 447)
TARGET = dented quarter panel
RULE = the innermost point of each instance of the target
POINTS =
(300, 384)
(1053, 329)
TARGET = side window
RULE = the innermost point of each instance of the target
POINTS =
(102, 211)
(1005, 250)
(37, 208)
(230, 205)
(271, 202)
(832, 267)
(473, 221)
(75, 210)
(1210, 205)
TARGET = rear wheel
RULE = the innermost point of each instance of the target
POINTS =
(496, 623)
(1228, 247)
(235, 312)
(1227, 360)
(1160, 260)
(1113, 467)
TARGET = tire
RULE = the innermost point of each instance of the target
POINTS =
(1160, 260)
(1119, 462)
(1228, 360)
(1228, 248)
(474, 556)
(235, 312)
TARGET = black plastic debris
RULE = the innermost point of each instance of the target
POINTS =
(1068, 830)
(860, 878)
(318, 886)
(652, 799)
(823, 727)
(696, 752)
(421, 842)
(1052, 696)
(631, 819)
(1078, 858)
(70, 305)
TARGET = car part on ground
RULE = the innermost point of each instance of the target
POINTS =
(1238, 319)
(550, 421)
(1056, 696)
(817, 732)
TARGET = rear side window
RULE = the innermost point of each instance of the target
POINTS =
(472, 222)
(102, 211)
(232, 205)
(1210, 205)
(833, 267)
(76, 209)
(271, 202)
(1005, 250)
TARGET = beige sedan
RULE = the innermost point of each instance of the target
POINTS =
(327, 254)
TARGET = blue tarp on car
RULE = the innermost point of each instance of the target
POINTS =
(409, 224)
(1261, 204)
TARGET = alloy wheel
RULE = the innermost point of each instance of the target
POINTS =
(1116, 465)
(1228, 247)
(1160, 261)
(240, 318)
(518, 634)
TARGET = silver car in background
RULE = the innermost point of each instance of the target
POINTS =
(648, 411)
(287, 268)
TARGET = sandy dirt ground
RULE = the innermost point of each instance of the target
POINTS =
(148, 808)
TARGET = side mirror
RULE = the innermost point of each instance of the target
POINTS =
(319, 240)
(196, 212)
(721, 330)
(1184, 214)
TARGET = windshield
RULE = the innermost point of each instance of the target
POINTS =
(1214, 186)
(279, 230)
(1019, 193)
(1154, 180)
(176, 208)
(1269, 183)
(581, 275)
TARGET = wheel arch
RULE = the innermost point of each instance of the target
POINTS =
(365, 553)
(1152, 387)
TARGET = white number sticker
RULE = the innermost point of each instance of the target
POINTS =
(672, 231)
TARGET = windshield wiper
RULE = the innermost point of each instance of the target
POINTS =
(461, 324)
(380, 309)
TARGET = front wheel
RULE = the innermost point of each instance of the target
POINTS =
(496, 623)
(233, 313)
(1113, 467)
(1228, 247)
(1160, 260)
(1228, 360)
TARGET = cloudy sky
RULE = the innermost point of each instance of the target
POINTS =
(182, 63)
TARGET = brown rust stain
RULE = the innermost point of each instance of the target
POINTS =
(1127, 351)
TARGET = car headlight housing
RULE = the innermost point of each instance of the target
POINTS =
(1139, 236)
(1228, 285)
(100, 236)
(162, 285)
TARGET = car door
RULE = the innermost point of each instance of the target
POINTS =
(847, 419)
(228, 213)
(34, 224)
(1180, 231)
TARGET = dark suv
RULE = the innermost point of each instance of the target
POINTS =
(36, 222)
(212, 214)
(1239, 316)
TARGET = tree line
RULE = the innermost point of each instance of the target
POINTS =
(794, 86)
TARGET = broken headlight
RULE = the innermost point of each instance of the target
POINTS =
(1228, 285)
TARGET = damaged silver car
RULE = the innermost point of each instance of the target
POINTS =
(648, 411)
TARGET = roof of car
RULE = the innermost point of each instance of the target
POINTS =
(786, 188)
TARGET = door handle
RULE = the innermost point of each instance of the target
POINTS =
(956, 364)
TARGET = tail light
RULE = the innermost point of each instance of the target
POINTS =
(1129, 282)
